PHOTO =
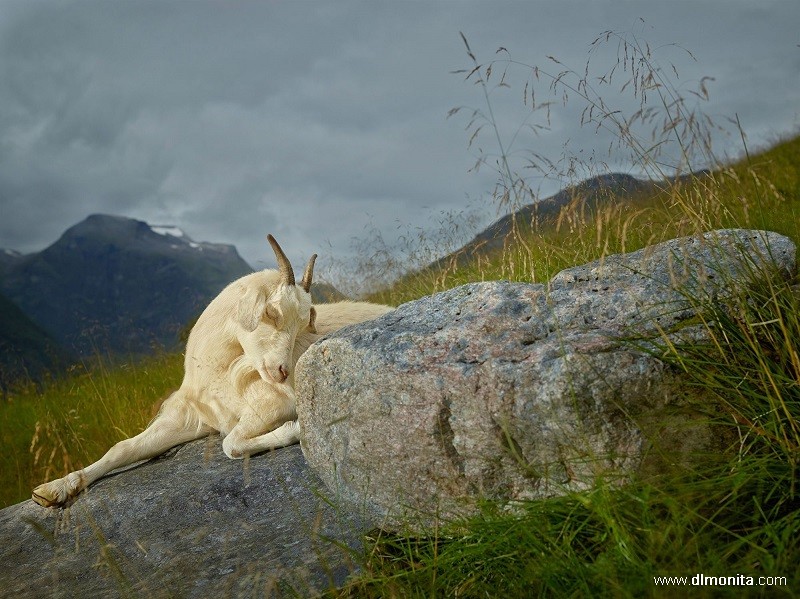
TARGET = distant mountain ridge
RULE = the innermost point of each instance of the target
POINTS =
(118, 284)
(26, 351)
(591, 192)
(8, 258)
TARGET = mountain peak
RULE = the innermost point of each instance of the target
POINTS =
(120, 231)
(118, 283)
(105, 226)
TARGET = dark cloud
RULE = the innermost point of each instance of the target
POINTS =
(318, 120)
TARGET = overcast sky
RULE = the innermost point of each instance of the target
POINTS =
(322, 121)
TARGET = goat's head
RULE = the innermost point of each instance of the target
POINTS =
(270, 317)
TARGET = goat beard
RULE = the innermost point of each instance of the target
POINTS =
(242, 374)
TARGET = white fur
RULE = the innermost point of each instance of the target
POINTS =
(239, 377)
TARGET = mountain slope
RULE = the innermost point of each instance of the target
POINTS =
(617, 213)
(589, 193)
(26, 351)
(8, 258)
(117, 284)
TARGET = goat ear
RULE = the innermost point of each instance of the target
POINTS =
(252, 305)
(312, 322)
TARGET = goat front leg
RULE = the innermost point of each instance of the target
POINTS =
(167, 430)
(238, 443)
(267, 422)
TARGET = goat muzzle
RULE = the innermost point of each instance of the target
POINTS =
(284, 373)
(274, 377)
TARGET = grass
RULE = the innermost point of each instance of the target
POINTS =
(739, 516)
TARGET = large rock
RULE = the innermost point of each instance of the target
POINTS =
(518, 391)
(189, 524)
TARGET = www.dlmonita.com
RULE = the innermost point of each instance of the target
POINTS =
(739, 580)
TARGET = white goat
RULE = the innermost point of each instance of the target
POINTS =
(239, 377)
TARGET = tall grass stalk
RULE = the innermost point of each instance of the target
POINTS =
(751, 365)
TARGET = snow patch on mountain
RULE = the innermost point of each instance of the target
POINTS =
(173, 231)
(168, 230)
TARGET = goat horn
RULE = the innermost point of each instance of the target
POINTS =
(285, 267)
(306, 284)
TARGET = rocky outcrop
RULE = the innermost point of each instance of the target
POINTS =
(517, 391)
(189, 524)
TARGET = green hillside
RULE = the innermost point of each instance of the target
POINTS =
(761, 191)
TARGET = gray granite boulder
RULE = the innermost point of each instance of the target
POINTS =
(191, 523)
(512, 391)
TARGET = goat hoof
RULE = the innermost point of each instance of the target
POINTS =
(50, 494)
